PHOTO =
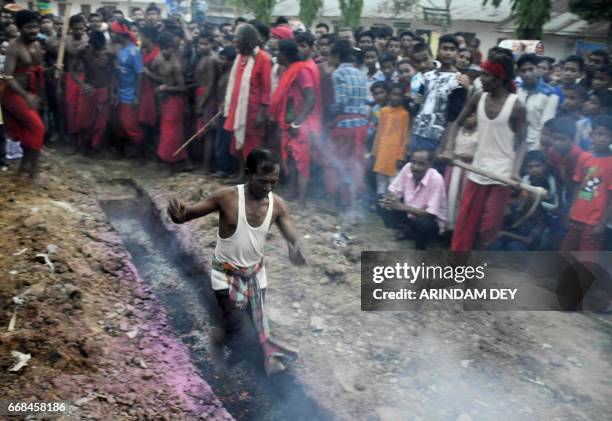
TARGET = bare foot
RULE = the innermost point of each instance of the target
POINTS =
(39, 181)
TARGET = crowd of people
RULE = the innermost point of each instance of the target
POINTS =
(368, 120)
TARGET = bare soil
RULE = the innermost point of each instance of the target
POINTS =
(93, 325)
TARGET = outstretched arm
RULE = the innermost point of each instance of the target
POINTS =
(287, 228)
(180, 213)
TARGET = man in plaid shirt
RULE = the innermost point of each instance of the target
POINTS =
(344, 169)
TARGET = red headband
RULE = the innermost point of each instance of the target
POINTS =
(282, 32)
(122, 29)
(498, 70)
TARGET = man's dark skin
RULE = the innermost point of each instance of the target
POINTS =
(419, 164)
(206, 75)
(168, 72)
(300, 184)
(225, 201)
(99, 66)
(498, 94)
(25, 52)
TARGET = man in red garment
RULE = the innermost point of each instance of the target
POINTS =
(169, 70)
(21, 98)
(247, 96)
(344, 163)
(73, 79)
(147, 114)
(128, 78)
(502, 129)
(292, 107)
(206, 106)
(94, 109)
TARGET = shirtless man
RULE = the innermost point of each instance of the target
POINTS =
(21, 99)
(167, 71)
(206, 100)
(502, 130)
(74, 76)
(98, 62)
(237, 268)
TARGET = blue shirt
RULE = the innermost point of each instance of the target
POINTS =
(350, 95)
(128, 67)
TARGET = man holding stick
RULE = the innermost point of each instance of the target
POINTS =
(502, 128)
(21, 99)
(238, 277)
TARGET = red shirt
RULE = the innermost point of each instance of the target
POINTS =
(565, 165)
(594, 173)
(259, 92)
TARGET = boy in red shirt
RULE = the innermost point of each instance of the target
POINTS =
(563, 156)
(593, 198)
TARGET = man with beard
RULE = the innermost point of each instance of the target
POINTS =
(21, 99)
(248, 95)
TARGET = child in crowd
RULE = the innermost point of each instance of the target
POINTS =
(539, 174)
(465, 147)
(592, 204)
(394, 46)
(573, 69)
(599, 102)
(602, 79)
(519, 233)
(370, 60)
(563, 157)
(574, 98)
(380, 92)
(390, 144)
(388, 66)
(405, 72)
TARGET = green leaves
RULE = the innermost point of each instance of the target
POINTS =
(351, 12)
(531, 16)
(262, 9)
(309, 10)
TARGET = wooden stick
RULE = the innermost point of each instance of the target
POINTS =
(198, 133)
(538, 191)
(59, 63)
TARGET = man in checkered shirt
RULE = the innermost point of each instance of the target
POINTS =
(344, 169)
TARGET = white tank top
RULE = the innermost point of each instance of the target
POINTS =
(245, 247)
(495, 149)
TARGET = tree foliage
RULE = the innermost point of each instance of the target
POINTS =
(262, 9)
(531, 16)
(309, 10)
(351, 12)
(395, 8)
(592, 10)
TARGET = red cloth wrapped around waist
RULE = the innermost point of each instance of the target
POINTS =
(35, 75)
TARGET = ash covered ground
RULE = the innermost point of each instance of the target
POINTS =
(104, 335)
